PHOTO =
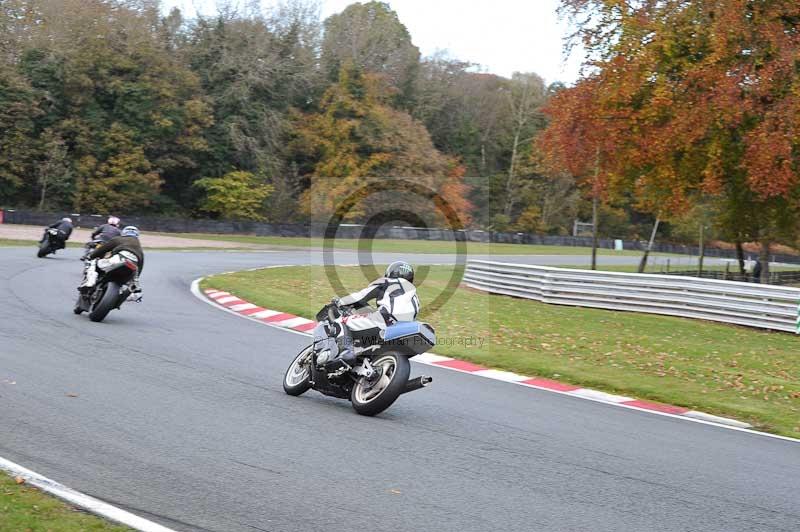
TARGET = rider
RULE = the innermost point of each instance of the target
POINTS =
(128, 241)
(396, 298)
(64, 226)
(107, 231)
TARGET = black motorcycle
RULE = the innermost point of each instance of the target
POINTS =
(52, 241)
(114, 285)
(381, 371)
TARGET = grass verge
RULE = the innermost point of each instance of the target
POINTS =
(23, 507)
(732, 371)
(15, 242)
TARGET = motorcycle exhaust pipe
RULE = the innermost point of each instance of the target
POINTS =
(419, 382)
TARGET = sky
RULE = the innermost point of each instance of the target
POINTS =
(504, 36)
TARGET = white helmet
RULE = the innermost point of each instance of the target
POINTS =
(66, 219)
(113, 220)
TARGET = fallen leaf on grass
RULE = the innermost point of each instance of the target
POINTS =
(19, 480)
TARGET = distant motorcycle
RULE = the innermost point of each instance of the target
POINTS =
(114, 285)
(52, 241)
(381, 373)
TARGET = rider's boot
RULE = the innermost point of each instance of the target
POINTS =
(89, 277)
(346, 353)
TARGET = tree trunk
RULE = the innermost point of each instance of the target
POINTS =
(595, 194)
(702, 249)
(740, 256)
(764, 258)
(510, 181)
(594, 232)
(43, 195)
(643, 263)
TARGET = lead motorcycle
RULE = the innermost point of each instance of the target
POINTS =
(52, 240)
(381, 371)
(115, 284)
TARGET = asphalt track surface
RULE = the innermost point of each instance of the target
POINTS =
(180, 418)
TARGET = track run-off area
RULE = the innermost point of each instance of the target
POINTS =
(174, 411)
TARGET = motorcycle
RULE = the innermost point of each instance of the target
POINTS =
(381, 371)
(116, 276)
(91, 246)
(52, 241)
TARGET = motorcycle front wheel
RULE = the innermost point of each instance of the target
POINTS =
(297, 379)
(78, 308)
(369, 399)
(106, 303)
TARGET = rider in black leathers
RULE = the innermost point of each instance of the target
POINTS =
(107, 231)
(64, 227)
(128, 241)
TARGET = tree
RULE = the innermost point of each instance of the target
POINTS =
(235, 196)
(123, 182)
(371, 38)
(54, 172)
(525, 98)
(357, 137)
(19, 108)
(711, 91)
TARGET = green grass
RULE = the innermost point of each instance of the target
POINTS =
(748, 374)
(405, 246)
(25, 508)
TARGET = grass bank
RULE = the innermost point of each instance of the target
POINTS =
(23, 507)
(733, 371)
(26, 243)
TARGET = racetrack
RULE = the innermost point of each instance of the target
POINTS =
(180, 417)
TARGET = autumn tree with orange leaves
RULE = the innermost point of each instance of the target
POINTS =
(688, 100)
(358, 140)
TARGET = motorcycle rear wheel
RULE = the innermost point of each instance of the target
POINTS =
(108, 301)
(297, 379)
(370, 400)
(44, 248)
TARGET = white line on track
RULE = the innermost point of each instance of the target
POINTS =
(81, 500)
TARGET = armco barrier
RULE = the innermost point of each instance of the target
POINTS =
(752, 305)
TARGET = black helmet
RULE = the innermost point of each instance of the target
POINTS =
(400, 270)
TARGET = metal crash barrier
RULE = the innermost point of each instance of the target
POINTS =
(751, 305)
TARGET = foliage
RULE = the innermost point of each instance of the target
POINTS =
(235, 196)
(371, 38)
(688, 99)
(357, 139)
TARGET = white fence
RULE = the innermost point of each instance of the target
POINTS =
(752, 305)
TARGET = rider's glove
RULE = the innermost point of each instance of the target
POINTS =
(335, 301)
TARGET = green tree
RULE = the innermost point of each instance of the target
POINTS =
(371, 38)
(123, 181)
(235, 196)
(19, 108)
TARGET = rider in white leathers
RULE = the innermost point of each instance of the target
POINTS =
(396, 298)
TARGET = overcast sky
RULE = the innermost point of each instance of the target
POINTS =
(502, 35)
